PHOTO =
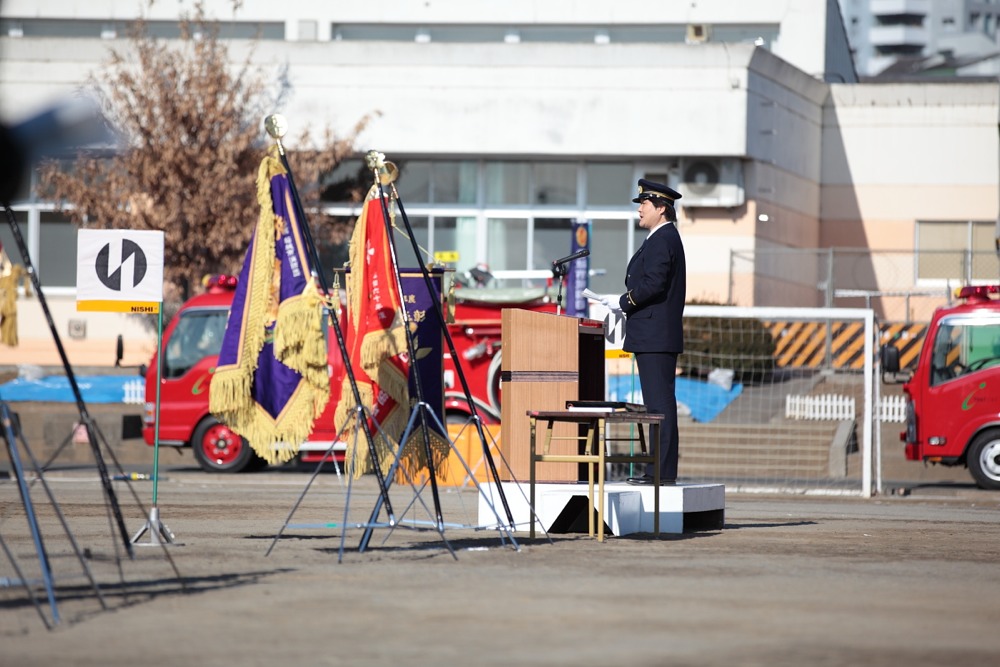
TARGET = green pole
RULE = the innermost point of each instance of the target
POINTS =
(156, 409)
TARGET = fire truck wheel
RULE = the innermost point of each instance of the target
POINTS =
(455, 418)
(984, 459)
(493, 380)
(218, 449)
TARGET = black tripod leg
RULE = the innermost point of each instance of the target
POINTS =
(109, 492)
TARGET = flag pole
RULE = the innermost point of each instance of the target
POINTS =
(276, 126)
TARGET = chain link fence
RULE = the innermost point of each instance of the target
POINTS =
(901, 286)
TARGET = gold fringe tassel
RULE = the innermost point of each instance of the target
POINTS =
(300, 345)
(229, 396)
(414, 456)
(229, 393)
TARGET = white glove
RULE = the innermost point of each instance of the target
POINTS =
(611, 305)
(603, 300)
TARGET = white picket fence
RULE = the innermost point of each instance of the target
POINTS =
(892, 409)
(135, 392)
(834, 407)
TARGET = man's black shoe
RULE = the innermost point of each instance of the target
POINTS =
(647, 480)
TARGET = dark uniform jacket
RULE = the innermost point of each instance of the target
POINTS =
(654, 301)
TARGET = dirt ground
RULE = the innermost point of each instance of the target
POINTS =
(907, 580)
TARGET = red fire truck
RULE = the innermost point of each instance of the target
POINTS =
(953, 394)
(193, 338)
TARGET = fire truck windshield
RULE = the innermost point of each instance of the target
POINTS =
(964, 345)
(198, 335)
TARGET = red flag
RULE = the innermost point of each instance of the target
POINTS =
(376, 341)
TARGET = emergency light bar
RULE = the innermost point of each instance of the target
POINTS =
(978, 292)
(219, 282)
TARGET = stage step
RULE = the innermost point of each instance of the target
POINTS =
(794, 450)
(562, 507)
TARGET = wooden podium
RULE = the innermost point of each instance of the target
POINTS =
(547, 360)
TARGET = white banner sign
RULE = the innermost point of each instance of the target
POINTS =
(119, 270)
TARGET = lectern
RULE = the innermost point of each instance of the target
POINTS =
(547, 360)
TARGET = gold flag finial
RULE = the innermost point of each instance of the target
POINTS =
(386, 171)
(276, 126)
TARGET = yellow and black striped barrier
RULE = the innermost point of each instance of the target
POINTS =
(839, 345)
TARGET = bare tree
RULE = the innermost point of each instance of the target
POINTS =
(193, 138)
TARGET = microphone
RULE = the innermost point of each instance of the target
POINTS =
(569, 258)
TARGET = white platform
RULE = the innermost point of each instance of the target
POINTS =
(629, 509)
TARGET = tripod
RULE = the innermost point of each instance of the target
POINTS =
(94, 436)
(276, 126)
(422, 412)
(85, 417)
(421, 406)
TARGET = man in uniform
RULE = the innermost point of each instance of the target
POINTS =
(653, 304)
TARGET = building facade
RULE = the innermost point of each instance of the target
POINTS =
(510, 123)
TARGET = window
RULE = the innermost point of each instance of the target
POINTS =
(445, 237)
(347, 183)
(956, 251)
(609, 184)
(454, 182)
(86, 28)
(374, 32)
(557, 33)
(56, 251)
(554, 183)
(507, 183)
(7, 236)
(607, 261)
(553, 238)
(507, 244)
(332, 236)
(414, 182)
(964, 345)
(467, 34)
(746, 34)
(657, 34)
(405, 257)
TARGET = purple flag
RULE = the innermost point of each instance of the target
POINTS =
(272, 379)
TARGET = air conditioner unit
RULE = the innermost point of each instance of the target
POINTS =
(712, 182)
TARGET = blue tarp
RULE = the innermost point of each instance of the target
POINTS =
(55, 388)
(703, 399)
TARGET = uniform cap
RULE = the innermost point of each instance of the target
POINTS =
(652, 190)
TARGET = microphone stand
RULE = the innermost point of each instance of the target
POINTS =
(560, 268)
(559, 271)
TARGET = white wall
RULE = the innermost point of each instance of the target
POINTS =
(896, 153)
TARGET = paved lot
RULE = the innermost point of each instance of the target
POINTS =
(789, 581)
